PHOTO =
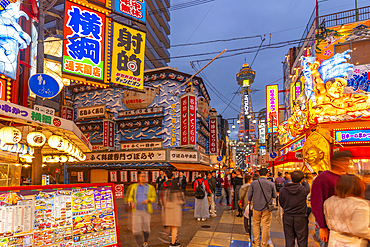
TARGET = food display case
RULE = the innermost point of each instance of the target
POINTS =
(58, 216)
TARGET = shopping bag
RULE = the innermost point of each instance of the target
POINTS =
(248, 210)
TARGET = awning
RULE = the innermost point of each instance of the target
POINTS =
(50, 124)
(120, 165)
(289, 157)
(192, 167)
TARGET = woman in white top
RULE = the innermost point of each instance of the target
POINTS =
(347, 215)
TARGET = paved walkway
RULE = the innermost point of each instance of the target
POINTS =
(223, 230)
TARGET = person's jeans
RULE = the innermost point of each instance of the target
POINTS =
(227, 192)
(211, 202)
(264, 217)
(317, 234)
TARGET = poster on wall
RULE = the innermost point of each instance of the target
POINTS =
(54, 215)
(187, 175)
(84, 41)
(155, 175)
(80, 176)
(128, 56)
(133, 175)
(113, 176)
(123, 175)
(272, 103)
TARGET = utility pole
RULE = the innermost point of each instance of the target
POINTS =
(356, 10)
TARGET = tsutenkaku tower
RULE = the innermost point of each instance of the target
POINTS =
(245, 78)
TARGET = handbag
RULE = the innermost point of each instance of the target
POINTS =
(269, 205)
(337, 239)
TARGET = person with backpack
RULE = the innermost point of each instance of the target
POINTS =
(173, 199)
(201, 189)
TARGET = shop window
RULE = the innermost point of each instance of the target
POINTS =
(10, 175)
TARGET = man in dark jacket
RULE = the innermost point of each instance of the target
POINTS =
(292, 199)
(211, 194)
(182, 180)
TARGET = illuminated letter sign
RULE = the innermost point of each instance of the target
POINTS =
(213, 136)
(188, 120)
(83, 46)
(246, 113)
(131, 8)
(128, 56)
(272, 103)
(352, 136)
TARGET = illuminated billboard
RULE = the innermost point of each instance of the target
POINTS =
(128, 56)
(131, 8)
(83, 46)
(272, 104)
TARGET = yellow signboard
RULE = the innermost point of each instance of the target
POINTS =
(128, 56)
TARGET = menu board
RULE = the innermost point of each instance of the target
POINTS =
(70, 216)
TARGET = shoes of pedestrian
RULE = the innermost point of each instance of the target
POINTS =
(229, 205)
(203, 219)
(164, 237)
(198, 219)
(213, 215)
(145, 245)
(175, 244)
(221, 204)
(254, 244)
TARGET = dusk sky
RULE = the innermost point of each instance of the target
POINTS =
(226, 19)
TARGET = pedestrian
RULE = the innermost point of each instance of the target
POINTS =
(243, 202)
(237, 184)
(201, 189)
(323, 187)
(347, 214)
(141, 197)
(219, 186)
(227, 187)
(256, 176)
(211, 195)
(279, 183)
(159, 182)
(262, 191)
(293, 200)
(287, 178)
(270, 177)
(173, 199)
(182, 181)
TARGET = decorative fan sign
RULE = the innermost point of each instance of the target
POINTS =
(44, 86)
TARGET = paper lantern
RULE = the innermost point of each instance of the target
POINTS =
(36, 139)
(66, 145)
(83, 157)
(56, 159)
(47, 158)
(56, 142)
(10, 135)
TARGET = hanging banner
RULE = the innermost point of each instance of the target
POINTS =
(67, 112)
(131, 8)
(108, 134)
(246, 114)
(272, 104)
(128, 56)
(188, 120)
(83, 46)
(213, 140)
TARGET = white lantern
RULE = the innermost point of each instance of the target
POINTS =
(70, 148)
(47, 158)
(56, 142)
(36, 139)
(65, 146)
(10, 135)
(83, 157)
(56, 159)
(63, 158)
(71, 159)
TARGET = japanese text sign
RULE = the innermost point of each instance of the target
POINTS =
(118, 190)
(131, 8)
(188, 120)
(128, 56)
(67, 112)
(83, 47)
(184, 156)
(352, 136)
(213, 135)
(134, 156)
(272, 103)
(174, 142)
(91, 111)
(108, 134)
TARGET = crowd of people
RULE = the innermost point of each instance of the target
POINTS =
(337, 200)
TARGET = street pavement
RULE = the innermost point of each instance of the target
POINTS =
(224, 230)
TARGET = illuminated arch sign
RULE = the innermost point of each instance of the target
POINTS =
(83, 46)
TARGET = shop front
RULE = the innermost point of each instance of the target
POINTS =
(289, 162)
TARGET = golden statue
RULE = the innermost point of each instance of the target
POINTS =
(315, 159)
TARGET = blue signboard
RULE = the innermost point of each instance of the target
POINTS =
(132, 8)
(219, 158)
(273, 155)
(352, 136)
(44, 86)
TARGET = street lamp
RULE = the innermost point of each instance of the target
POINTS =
(233, 126)
(228, 131)
(238, 121)
(254, 121)
(249, 116)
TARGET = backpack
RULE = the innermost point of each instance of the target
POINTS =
(200, 193)
(279, 185)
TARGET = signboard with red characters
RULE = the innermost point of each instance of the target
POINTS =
(108, 134)
(188, 120)
(118, 190)
(132, 8)
(59, 215)
(213, 136)
(67, 112)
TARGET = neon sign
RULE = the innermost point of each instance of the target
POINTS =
(83, 48)
(352, 136)
(295, 146)
(272, 104)
(131, 8)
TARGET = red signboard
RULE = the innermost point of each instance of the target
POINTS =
(188, 120)
(108, 134)
(213, 135)
(118, 190)
(67, 112)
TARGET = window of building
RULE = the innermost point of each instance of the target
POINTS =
(358, 48)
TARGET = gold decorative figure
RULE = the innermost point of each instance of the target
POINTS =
(316, 152)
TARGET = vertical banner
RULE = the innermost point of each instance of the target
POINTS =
(128, 56)
(188, 120)
(108, 134)
(213, 140)
(123, 175)
(83, 46)
(67, 112)
(246, 104)
(80, 176)
(133, 175)
(272, 104)
(155, 175)
(113, 176)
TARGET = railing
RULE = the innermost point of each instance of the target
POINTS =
(345, 17)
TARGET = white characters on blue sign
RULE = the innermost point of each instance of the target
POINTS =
(86, 37)
(12, 38)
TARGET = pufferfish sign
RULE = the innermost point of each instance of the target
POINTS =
(326, 96)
